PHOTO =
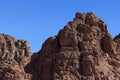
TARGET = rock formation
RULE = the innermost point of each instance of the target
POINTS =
(82, 50)
(14, 56)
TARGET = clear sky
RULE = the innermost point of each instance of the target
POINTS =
(36, 20)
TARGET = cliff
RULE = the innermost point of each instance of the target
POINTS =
(82, 50)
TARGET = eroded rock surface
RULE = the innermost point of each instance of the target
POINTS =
(14, 56)
(82, 50)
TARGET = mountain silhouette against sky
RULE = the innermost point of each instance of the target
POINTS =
(82, 50)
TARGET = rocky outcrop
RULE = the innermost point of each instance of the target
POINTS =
(14, 55)
(82, 50)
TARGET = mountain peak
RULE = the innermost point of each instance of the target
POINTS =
(82, 50)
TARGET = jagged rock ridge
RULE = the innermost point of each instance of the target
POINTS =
(82, 50)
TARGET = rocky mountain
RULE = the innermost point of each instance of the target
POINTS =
(14, 56)
(82, 50)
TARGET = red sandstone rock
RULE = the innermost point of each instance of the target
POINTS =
(14, 55)
(82, 50)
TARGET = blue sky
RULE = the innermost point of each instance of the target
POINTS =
(36, 20)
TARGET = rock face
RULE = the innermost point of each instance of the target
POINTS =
(82, 50)
(14, 56)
